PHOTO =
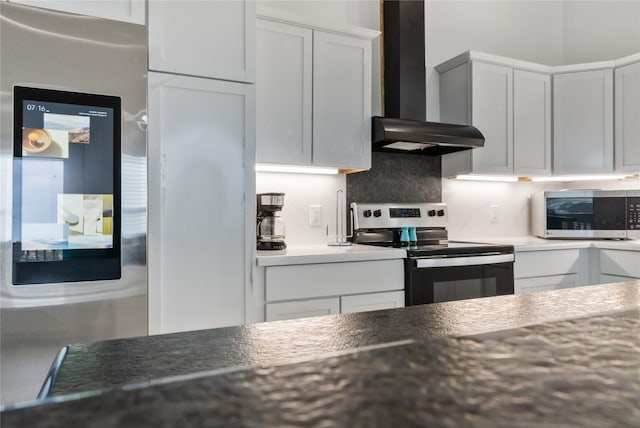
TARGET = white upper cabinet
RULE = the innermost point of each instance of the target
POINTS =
(627, 118)
(583, 122)
(531, 123)
(283, 92)
(540, 120)
(511, 106)
(132, 11)
(341, 101)
(313, 93)
(492, 114)
(214, 39)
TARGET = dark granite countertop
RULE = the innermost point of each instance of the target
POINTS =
(561, 358)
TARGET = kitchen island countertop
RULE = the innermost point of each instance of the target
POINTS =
(564, 358)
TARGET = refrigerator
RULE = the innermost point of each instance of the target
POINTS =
(73, 188)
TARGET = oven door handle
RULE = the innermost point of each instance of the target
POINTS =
(464, 261)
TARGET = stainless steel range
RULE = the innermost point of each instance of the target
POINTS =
(436, 269)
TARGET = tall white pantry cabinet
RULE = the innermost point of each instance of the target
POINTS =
(201, 138)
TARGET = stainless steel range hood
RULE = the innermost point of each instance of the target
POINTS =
(414, 136)
(403, 129)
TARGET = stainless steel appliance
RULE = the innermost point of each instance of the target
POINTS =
(436, 270)
(586, 214)
(633, 214)
(54, 51)
(270, 229)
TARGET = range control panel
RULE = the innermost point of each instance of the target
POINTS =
(385, 215)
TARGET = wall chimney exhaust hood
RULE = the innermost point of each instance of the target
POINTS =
(414, 136)
(403, 129)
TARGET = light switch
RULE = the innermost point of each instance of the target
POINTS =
(315, 215)
(494, 214)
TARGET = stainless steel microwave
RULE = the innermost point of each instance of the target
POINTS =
(586, 214)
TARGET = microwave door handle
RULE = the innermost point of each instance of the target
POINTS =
(464, 261)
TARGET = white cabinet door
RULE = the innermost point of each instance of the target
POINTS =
(620, 263)
(213, 39)
(119, 10)
(341, 101)
(200, 134)
(302, 309)
(371, 302)
(550, 270)
(492, 113)
(583, 122)
(309, 281)
(283, 93)
(627, 114)
(545, 283)
(531, 123)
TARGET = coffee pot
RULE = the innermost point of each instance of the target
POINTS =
(270, 229)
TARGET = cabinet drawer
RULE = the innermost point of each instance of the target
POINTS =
(608, 279)
(548, 262)
(371, 302)
(620, 263)
(544, 283)
(302, 309)
(332, 279)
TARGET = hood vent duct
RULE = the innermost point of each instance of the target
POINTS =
(403, 129)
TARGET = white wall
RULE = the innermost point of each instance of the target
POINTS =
(601, 30)
(470, 205)
(302, 190)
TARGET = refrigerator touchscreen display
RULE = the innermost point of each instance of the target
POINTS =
(66, 186)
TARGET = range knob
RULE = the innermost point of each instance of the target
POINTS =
(377, 213)
(367, 213)
(440, 213)
(432, 213)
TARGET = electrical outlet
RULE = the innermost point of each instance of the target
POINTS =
(315, 215)
(494, 214)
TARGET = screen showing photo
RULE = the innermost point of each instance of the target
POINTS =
(66, 188)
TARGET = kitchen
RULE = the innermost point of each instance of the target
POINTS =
(477, 210)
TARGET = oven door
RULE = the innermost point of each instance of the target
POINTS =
(433, 280)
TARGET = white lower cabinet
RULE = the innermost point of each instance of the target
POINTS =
(301, 309)
(550, 270)
(545, 283)
(543, 270)
(371, 302)
(619, 265)
(304, 290)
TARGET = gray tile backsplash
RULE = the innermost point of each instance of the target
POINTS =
(396, 177)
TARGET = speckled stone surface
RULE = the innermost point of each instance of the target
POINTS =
(583, 372)
(397, 177)
(107, 364)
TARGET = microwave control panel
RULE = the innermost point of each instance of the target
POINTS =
(633, 213)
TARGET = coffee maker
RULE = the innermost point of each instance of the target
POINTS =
(269, 227)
